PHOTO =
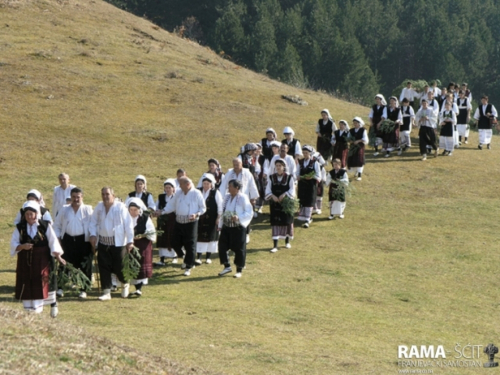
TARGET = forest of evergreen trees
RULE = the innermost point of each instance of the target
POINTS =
(353, 48)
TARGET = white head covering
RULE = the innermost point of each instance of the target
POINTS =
(271, 130)
(275, 144)
(282, 161)
(141, 177)
(381, 98)
(288, 130)
(209, 176)
(360, 120)
(32, 205)
(396, 99)
(308, 148)
(136, 202)
(345, 123)
(169, 181)
(328, 113)
(38, 196)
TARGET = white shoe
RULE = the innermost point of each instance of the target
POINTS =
(387, 155)
(187, 272)
(274, 250)
(174, 261)
(60, 293)
(82, 295)
(358, 178)
(38, 310)
(341, 216)
(248, 238)
(305, 225)
(450, 154)
(208, 261)
(125, 290)
(375, 154)
(138, 292)
(105, 296)
(331, 217)
(318, 212)
(197, 261)
(237, 275)
(255, 214)
(424, 157)
(225, 270)
(288, 246)
(260, 210)
(183, 266)
(400, 152)
(54, 311)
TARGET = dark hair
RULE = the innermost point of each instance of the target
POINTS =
(484, 97)
(77, 190)
(405, 100)
(181, 170)
(236, 184)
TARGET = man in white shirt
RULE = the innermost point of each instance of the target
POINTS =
(112, 234)
(485, 116)
(188, 205)
(72, 227)
(409, 93)
(238, 213)
(291, 167)
(427, 121)
(61, 192)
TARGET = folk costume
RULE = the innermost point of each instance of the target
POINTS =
(375, 116)
(447, 120)
(208, 236)
(391, 139)
(340, 144)
(356, 158)
(145, 196)
(307, 187)
(427, 122)
(280, 187)
(291, 166)
(186, 229)
(144, 236)
(408, 115)
(34, 194)
(321, 184)
(485, 123)
(73, 229)
(408, 93)
(266, 143)
(166, 224)
(294, 149)
(324, 130)
(59, 197)
(34, 284)
(454, 108)
(464, 108)
(217, 173)
(336, 195)
(237, 215)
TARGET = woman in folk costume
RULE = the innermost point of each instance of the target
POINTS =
(464, 107)
(144, 236)
(321, 184)
(258, 159)
(308, 175)
(485, 117)
(280, 186)
(166, 223)
(324, 130)
(392, 112)
(447, 121)
(208, 236)
(215, 169)
(405, 129)
(271, 136)
(141, 192)
(294, 149)
(340, 144)
(36, 196)
(268, 167)
(36, 245)
(376, 119)
(359, 139)
(336, 195)
(246, 157)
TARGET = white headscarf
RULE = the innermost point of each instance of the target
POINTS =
(358, 119)
(137, 202)
(169, 181)
(345, 123)
(328, 114)
(34, 206)
(289, 130)
(271, 130)
(210, 177)
(275, 144)
(141, 177)
(381, 98)
(396, 99)
(38, 196)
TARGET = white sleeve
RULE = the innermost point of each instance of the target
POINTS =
(128, 224)
(58, 223)
(317, 127)
(15, 241)
(253, 193)
(200, 183)
(47, 217)
(494, 111)
(317, 170)
(150, 228)
(218, 200)
(170, 206)
(334, 126)
(412, 112)
(454, 118)
(93, 222)
(293, 168)
(401, 96)
(54, 244)
(202, 208)
(54, 199)
(223, 184)
(333, 140)
(400, 116)
(345, 178)
(371, 113)
(298, 149)
(258, 167)
(384, 114)
(266, 167)
(365, 137)
(476, 114)
(268, 192)
(291, 188)
(246, 217)
(151, 202)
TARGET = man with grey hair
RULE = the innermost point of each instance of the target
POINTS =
(248, 185)
(188, 205)
(112, 235)
(61, 193)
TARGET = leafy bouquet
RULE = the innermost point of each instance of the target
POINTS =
(353, 149)
(69, 275)
(387, 126)
(290, 205)
(131, 264)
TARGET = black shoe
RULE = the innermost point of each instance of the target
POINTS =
(114, 288)
(480, 147)
(488, 146)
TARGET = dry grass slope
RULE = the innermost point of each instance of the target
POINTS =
(103, 95)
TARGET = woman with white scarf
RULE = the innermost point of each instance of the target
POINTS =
(359, 139)
(376, 119)
(324, 130)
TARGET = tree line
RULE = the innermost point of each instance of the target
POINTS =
(352, 48)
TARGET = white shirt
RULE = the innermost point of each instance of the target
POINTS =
(408, 93)
(329, 180)
(73, 223)
(291, 166)
(461, 104)
(493, 111)
(167, 199)
(411, 115)
(431, 117)
(241, 205)
(454, 108)
(191, 203)
(116, 223)
(437, 91)
(298, 147)
(151, 201)
(434, 106)
(246, 178)
(386, 116)
(453, 117)
(59, 198)
(54, 245)
(291, 187)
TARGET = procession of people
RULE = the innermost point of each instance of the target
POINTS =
(215, 216)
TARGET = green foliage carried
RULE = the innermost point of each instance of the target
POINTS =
(131, 264)
(290, 205)
(69, 276)
(387, 126)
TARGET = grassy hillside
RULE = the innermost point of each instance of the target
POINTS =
(102, 95)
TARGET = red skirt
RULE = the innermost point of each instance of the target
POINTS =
(32, 273)
(145, 247)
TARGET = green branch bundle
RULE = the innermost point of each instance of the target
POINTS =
(68, 275)
(342, 189)
(387, 126)
(131, 264)
(290, 205)
(150, 233)
(310, 175)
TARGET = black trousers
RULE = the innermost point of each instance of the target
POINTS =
(426, 136)
(186, 235)
(110, 260)
(233, 239)
(77, 251)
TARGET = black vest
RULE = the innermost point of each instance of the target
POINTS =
(462, 111)
(447, 129)
(357, 135)
(140, 228)
(393, 115)
(291, 146)
(266, 150)
(341, 140)
(377, 113)
(325, 129)
(40, 239)
(247, 162)
(484, 121)
(144, 197)
(406, 119)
